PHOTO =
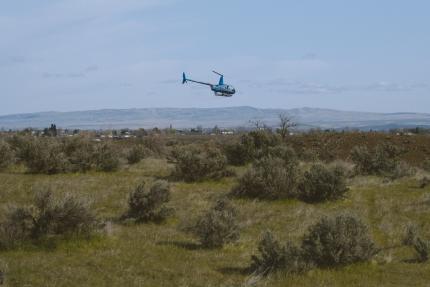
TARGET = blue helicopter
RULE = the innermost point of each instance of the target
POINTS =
(221, 89)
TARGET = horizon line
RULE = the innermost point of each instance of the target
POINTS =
(206, 108)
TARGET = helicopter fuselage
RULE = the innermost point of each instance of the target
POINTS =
(223, 90)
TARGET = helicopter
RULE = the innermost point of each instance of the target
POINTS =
(221, 89)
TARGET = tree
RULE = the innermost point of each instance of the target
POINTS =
(216, 130)
(51, 131)
(285, 124)
(259, 125)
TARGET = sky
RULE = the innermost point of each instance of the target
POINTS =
(68, 55)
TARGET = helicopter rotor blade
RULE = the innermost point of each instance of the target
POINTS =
(217, 73)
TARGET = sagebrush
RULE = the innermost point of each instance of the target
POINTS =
(48, 216)
(218, 226)
(194, 163)
(274, 256)
(148, 202)
(270, 178)
(322, 183)
(338, 240)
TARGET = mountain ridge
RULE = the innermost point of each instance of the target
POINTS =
(225, 117)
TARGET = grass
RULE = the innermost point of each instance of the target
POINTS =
(164, 255)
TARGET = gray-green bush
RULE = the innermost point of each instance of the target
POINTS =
(273, 256)
(269, 178)
(106, 157)
(284, 152)
(383, 160)
(322, 183)
(16, 227)
(52, 155)
(238, 153)
(338, 240)
(47, 216)
(426, 164)
(411, 235)
(154, 144)
(424, 182)
(363, 160)
(218, 226)
(420, 245)
(253, 145)
(7, 155)
(194, 163)
(147, 203)
(44, 156)
(81, 154)
(137, 153)
(400, 170)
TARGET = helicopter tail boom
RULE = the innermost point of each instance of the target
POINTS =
(185, 80)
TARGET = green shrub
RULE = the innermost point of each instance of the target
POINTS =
(44, 156)
(154, 144)
(137, 153)
(237, 154)
(54, 155)
(326, 151)
(322, 183)
(308, 155)
(273, 256)
(106, 157)
(263, 139)
(19, 145)
(17, 227)
(362, 159)
(411, 235)
(422, 247)
(148, 204)
(284, 152)
(383, 160)
(253, 145)
(424, 182)
(346, 167)
(62, 216)
(386, 156)
(402, 169)
(218, 226)
(80, 152)
(336, 241)
(47, 217)
(194, 163)
(6, 155)
(269, 178)
(426, 164)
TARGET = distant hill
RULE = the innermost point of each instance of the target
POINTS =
(209, 117)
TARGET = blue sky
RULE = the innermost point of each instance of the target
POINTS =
(90, 54)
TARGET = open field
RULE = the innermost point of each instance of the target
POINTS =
(150, 254)
(149, 143)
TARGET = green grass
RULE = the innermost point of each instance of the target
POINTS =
(164, 255)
